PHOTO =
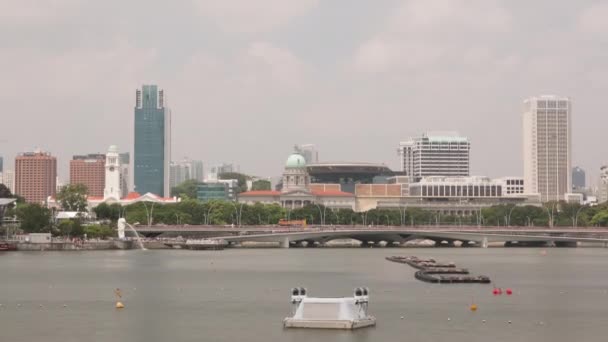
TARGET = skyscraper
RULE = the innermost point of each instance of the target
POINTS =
(8, 179)
(547, 146)
(578, 178)
(310, 153)
(152, 141)
(35, 176)
(89, 170)
(186, 169)
(435, 154)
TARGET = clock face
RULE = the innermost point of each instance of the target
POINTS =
(111, 168)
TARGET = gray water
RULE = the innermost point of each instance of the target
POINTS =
(243, 295)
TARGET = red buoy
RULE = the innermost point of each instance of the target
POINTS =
(496, 291)
(509, 292)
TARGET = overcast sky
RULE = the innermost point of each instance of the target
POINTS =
(246, 80)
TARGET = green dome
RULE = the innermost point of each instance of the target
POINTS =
(295, 160)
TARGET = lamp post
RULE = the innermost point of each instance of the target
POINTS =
(321, 213)
(575, 220)
(149, 213)
(509, 217)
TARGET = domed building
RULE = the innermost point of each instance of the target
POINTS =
(296, 190)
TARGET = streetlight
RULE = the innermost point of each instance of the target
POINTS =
(321, 213)
(509, 217)
(238, 213)
(149, 213)
(551, 214)
(575, 220)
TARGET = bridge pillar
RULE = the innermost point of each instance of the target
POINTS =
(484, 242)
(285, 242)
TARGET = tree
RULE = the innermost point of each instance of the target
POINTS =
(99, 231)
(108, 212)
(5, 192)
(261, 184)
(73, 197)
(34, 218)
(70, 228)
(241, 178)
(186, 189)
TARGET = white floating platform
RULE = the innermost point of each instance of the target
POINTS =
(329, 313)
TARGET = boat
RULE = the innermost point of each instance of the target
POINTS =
(329, 313)
(5, 246)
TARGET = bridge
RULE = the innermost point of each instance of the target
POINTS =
(389, 236)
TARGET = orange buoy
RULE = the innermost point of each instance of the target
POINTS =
(473, 307)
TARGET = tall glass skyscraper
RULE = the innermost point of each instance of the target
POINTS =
(152, 150)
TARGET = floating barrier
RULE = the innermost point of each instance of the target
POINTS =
(431, 271)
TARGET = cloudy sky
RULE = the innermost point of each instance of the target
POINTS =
(246, 80)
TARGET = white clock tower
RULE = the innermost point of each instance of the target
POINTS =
(112, 188)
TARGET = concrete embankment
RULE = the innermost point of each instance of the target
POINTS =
(72, 246)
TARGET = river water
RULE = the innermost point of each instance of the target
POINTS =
(243, 295)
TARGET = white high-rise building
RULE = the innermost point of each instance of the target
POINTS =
(435, 154)
(113, 186)
(8, 179)
(602, 193)
(309, 152)
(184, 170)
(547, 147)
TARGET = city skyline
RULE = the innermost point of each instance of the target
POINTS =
(279, 80)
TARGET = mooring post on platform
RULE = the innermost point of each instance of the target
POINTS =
(484, 242)
(285, 242)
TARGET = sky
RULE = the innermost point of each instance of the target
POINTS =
(246, 80)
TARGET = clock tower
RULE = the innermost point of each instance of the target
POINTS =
(113, 184)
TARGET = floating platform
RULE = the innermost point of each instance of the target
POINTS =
(431, 271)
(203, 244)
(329, 313)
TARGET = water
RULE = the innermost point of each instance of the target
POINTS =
(243, 295)
(137, 237)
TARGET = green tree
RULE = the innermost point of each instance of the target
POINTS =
(241, 178)
(5, 192)
(185, 189)
(108, 212)
(73, 197)
(34, 218)
(70, 228)
(260, 185)
(99, 231)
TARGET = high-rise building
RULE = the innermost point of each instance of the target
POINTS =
(602, 191)
(8, 179)
(35, 176)
(184, 170)
(547, 147)
(309, 152)
(125, 173)
(1, 164)
(217, 170)
(435, 154)
(152, 141)
(578, 178)
(89, 170)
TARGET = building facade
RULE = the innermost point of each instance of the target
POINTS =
(113, 178)
(184, 170)
(547, 146)
(35, 176)
(579, 180)
(435, 154)
(602, 194)
(89, 170)
(8, 179)
(152, 148)
(125, 172)
(309, 152)
(1, 164)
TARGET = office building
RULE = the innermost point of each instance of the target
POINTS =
(184, 170)
(35, 176)
(547, 147)
(125, 173)
(8, 179)
(309, 152)
(152, 150)
(578, 178)
(214, 191)
(89, 170)
(602, 194)
(435, 154)
(217, 170)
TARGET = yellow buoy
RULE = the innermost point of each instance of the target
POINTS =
(473, 307)
(120, 305)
